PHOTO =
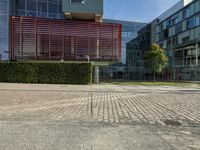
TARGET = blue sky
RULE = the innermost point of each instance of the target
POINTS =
(136, 10)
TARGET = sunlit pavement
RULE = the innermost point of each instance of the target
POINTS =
(98, 117)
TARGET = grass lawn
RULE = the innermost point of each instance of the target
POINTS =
(156, 83)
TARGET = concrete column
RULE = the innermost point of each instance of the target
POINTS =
(197, 57)
(197, 48)
(96, 74)
(174, 66)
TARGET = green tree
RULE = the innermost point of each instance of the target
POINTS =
(155, 59)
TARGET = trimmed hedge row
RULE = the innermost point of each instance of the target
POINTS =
(46, 73)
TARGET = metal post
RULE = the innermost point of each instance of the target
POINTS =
(21, 36)
(97, 49)
(63, 41)
(89, 40)
(13, 40)
(76, 41)
(112, 44)
(36, 50)
(49, 41)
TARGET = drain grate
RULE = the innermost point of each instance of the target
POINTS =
(172, 123)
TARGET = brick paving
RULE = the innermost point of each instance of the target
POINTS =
(100, 103)
(98, 117)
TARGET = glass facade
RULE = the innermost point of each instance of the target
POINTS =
(4, 13)
(129, 32)
(179, 35)
(39, 8)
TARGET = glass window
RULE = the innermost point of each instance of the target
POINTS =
(61, 16)
(183, 25)
(192, 9)
(21, 4)
(197, 20)
(42, 6)
(53, 6)
(192, 34)
(186, 39)
(52, 15)
(178, 28)
(31, 5)
(168, 23)
(4, 29)
(2, 6)
(197, 6)
(21, 12)
(77, 1)
(191, 23)
(60, 7)
(175, 19)
(42, 14)
(157, 29)
(164, 25)
(186, 13)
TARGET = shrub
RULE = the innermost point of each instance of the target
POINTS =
(48, 73)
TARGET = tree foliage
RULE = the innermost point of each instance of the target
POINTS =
(155, 59)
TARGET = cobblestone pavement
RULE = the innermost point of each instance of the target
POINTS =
(100, 104)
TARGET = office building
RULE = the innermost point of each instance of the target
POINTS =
(179, 35)
(177, 31)
(57, 30)
(136, 50)
(129, 32)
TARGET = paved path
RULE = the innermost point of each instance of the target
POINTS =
(126, 114)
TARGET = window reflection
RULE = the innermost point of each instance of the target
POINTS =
(31, 5)
(3, 29)
(53, 6)
(21, 4)
(40, 8)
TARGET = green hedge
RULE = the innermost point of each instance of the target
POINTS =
(49, 73)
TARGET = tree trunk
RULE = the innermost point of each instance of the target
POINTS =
(154, 76)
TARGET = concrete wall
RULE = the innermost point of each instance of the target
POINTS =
(90, 6)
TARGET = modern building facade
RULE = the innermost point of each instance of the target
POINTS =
(177, 31)
(136, 50)
(140, 45)
(129, 32)
(179, 35)
(57, 29)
